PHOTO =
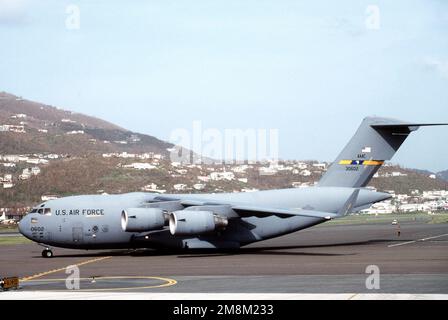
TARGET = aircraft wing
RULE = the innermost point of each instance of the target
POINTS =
(244, 210)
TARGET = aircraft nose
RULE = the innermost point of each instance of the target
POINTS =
(24, 225)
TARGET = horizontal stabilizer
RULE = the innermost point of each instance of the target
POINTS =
(410, 125)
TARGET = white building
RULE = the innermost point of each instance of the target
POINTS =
(385, 207)
(35, 171)
(28, 172)
(152, 187)
(240, 169)
(398, 174)
(48, 197)
(146, 155)
(139, 166)
(409, 207)
(435, 194)
(7, 178)
(249, 190)
(199, 186)
(37, 161)
(402, 197)
(301, 166)
(393, 174)
(126, 155)
(180, 187)
(281, 167)
(226, 175)
(9, 164)
(321, 166)
(12, 128)
(267, 171)
(11, 158)
(75, 132)
(305, 173)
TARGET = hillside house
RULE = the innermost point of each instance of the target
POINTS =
(180, 187)
(226, 175)
(139, 166)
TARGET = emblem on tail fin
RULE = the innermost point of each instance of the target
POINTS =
(366, 150)
(362, 162)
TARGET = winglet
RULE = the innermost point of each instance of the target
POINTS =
(349, 204)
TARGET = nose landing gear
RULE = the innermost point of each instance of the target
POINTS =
(47, 253)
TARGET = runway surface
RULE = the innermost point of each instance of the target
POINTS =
(9, 234)
(325, 259)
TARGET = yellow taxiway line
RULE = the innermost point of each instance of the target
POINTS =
(38, 275)
(167, 283)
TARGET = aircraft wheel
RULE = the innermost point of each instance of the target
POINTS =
(47, 253)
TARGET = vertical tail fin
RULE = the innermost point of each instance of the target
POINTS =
(375, 141)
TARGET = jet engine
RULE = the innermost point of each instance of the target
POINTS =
(143, 219)
(192, 222)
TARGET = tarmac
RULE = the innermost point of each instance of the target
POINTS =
(334, 259)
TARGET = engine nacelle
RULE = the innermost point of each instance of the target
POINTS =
(191, 222)
(142, 219)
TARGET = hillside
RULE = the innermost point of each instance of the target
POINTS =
(31, 127)
(48, 151)
(407, 182)
(442, 175)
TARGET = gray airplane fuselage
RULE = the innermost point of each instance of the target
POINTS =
(94, 221)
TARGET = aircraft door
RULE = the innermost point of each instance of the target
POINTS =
(78, 234)
(48, 236)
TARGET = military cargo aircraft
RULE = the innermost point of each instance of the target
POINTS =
(219, 221)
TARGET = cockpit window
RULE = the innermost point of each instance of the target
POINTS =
(44, 211)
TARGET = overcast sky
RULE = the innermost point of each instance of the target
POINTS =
(311, 69)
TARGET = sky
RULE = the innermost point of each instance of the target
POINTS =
(310, 69)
